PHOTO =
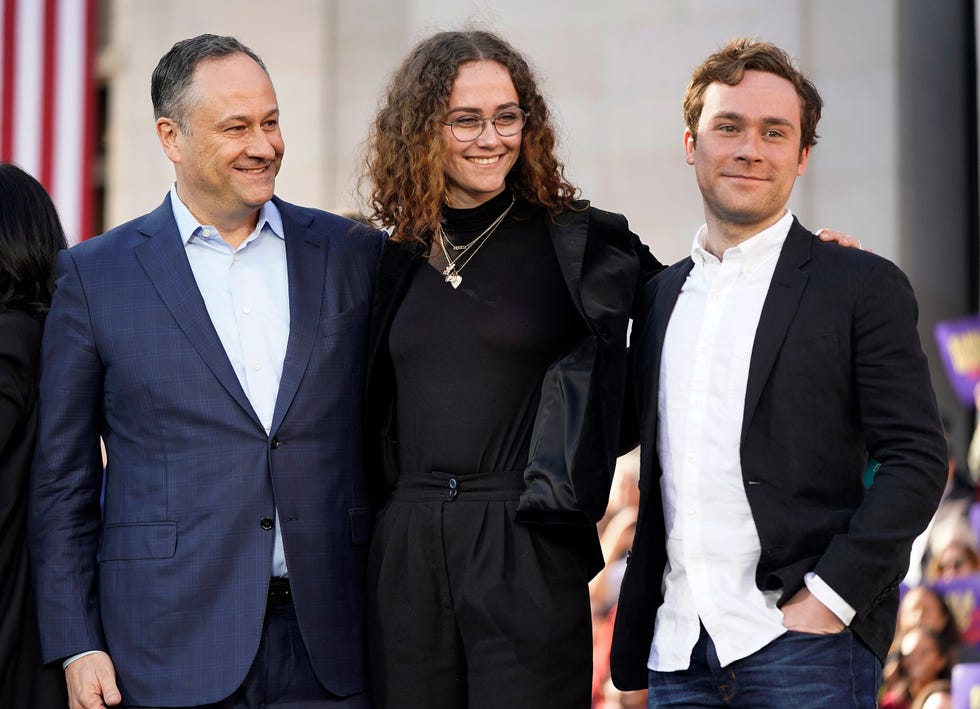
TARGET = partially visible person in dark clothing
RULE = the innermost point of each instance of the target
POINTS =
(30, 238)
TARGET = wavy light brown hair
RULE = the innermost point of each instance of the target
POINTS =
(406, 147)
(728, 66)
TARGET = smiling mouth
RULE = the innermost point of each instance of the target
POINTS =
(253, 170)
(485, 161)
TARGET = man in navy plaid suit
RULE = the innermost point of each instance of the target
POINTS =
(216, 345)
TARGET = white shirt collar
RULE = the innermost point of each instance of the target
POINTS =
(188, 225)
(754, 250)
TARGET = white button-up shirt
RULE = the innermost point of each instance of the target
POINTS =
(713, 545)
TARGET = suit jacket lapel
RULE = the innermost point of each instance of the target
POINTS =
(664, 301)
(164, 260)
(395, 271)
(782, 301)
(306, 266)
(569, 233)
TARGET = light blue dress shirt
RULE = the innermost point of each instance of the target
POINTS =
(246, 291)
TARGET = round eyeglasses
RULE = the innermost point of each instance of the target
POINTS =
(468, 128)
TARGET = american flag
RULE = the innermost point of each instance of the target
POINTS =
(47, 101)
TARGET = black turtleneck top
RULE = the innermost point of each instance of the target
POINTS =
(469, 362)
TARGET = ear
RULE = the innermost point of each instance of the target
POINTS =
(689, 145)
(804, 157)
(168, 133)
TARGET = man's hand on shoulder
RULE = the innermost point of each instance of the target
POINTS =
(92, 682)
(840, 238)
(805, 614)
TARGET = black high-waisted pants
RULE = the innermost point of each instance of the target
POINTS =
(468, 609)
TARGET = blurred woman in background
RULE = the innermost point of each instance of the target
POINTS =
(922, 657)
(954, 559)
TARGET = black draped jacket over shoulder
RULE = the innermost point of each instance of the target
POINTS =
(576, 434)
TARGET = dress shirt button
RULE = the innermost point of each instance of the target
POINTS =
(275, 443)
(247, 310)
(266, 523)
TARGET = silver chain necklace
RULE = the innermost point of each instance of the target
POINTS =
(451, 273)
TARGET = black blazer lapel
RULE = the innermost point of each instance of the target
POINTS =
(395, 271)
(668, 288)
(396, 268)
(778, 310)
(306, 268)
(569, 234)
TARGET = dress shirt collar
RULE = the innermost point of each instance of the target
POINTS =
(188, 226)
(753, 251)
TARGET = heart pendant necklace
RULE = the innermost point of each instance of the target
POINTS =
(452, 272)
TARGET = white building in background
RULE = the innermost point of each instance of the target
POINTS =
(895, 166)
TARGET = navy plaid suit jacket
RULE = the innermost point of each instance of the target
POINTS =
(170, 577)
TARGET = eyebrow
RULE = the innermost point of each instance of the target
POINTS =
(766, 120)
(242, 118)
(501, 107)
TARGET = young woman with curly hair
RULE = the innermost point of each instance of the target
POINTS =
(496, 379)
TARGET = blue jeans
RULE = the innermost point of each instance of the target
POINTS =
(795, 670)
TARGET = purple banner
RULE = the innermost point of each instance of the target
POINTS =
(959, 344)
(963, 598)
(966, 686)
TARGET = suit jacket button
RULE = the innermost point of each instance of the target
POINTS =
(266, 523)
(275, 443)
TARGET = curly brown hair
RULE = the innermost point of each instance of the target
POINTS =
(406, 147)
(728, 66)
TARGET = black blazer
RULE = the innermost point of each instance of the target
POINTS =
(836, 374)
(576, 429)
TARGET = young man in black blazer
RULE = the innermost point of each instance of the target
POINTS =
(769, 366)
